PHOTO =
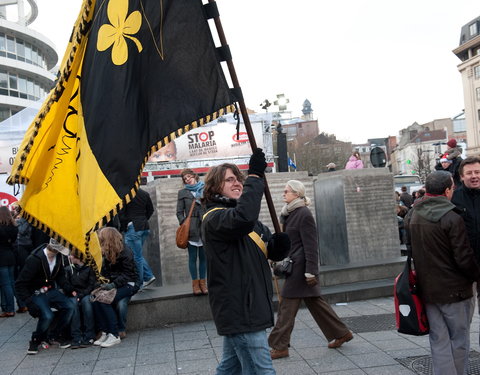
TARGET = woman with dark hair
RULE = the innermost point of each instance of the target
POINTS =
(302, 284)
(118, 268)
(192, 192)
(8, 235)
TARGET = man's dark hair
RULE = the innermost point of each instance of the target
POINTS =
(437, 182)
(469, 160)
(215, 179)
(404, 189)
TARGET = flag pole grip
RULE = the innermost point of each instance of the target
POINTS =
(246, 120)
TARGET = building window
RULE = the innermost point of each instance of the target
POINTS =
(476, 71)
(473, 29)
(20, 50)
(4, 113)
(477, 90)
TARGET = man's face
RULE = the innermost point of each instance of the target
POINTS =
(446, 164)
(471, 176)
(231, 188)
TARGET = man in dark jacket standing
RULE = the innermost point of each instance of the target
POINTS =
(467, 198)
(239, 277)
(446, 268)
(38, 286)
(135, 225)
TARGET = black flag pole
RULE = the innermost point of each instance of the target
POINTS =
(246, 119)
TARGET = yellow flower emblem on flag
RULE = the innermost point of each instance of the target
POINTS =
(121, 27)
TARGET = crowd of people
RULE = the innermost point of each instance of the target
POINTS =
(62, 291)
(230, 254)
(440, 225)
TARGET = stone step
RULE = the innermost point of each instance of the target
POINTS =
(362, 271)
(161, 306)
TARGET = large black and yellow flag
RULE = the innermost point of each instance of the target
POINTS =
(136, 74)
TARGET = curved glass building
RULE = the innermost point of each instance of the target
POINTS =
(26, 60)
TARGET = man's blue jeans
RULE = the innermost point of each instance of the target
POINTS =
(7, 288)
(83, 313)
(45, 301)
(135, 241)
(246, 354)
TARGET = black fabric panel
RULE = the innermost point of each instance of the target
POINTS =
(129, 108)
(211, 10)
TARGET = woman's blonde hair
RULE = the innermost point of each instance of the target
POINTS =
(111, 243)
(299, 189)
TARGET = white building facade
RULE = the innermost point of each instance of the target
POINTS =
(26, 59)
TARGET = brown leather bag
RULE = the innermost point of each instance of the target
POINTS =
(184, 229)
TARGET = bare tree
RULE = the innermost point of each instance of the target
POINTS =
(422, 163)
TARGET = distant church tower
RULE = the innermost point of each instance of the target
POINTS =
(307, 110)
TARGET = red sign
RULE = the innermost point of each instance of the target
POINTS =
(7, 199)
(243, 137)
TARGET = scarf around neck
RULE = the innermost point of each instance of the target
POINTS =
(293, 205)
(197, 189)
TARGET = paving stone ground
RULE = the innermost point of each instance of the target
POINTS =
(195, 348)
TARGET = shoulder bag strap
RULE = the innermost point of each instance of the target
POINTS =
(253, 235)
(191, 209)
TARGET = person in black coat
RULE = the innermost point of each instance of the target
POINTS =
(119, 271)
(8, 235)
(38, 286)
(134, 223)
(80, 281)
(452, 166)
(237, 246)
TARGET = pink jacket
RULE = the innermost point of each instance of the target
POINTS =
(354, 163)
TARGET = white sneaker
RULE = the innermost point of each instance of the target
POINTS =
(110, 341)
(102, 338)
(149, 281)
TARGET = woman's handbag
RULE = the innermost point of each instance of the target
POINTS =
(410, 312)
(103, 295)
(184, 229)
(283, 268)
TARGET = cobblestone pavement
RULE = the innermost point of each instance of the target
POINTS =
(195, 348)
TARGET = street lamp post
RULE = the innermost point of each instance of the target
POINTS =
(282, 149)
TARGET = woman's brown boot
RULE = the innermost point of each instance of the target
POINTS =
(196, 288)
(203, 286)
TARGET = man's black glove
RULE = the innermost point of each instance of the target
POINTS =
(257, 163)
(32, 307)
(278, 246)
(109, 286)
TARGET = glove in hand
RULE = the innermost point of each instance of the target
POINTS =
(109, 286)
(257, 163)
(311, 281)
(278, 246)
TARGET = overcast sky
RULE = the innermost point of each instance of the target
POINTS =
(369, 67)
